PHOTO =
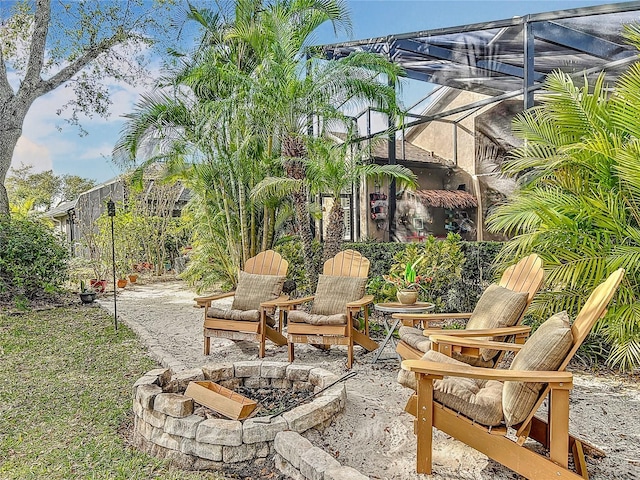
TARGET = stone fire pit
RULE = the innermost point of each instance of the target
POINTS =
(165, 425)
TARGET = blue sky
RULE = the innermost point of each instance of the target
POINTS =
(49, 143)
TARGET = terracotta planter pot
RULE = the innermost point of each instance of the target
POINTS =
(407, 297)
(98, 285)
(133, 278)
(122, 282)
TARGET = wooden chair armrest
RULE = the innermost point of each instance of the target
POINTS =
(287, 305)
(478, 332)
(430, 316)
(274, 303)
(366, 300)
(474, 343)
(202, 302)
(440, 370)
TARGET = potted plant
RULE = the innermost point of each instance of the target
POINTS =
(406, 283)
(87, 294)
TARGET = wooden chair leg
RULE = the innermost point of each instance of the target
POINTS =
(559, 427)
(207, 345)
(578, 459)
(350, 352)
(291, 353)
(263, 341)
(424, 429)
(366, 320)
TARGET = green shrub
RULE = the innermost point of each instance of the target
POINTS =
(460, 296)
(33, 261)
(379, 254)
(291, 251)
(478, 273)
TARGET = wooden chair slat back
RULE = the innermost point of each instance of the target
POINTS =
(347, 263)
(525, 276)
(268, 262)
(594, 309)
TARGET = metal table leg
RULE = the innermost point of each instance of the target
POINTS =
(389, 336)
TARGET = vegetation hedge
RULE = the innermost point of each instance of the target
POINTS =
(33, 261)
(461, 296)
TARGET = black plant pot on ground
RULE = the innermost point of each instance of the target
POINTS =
(87, 297)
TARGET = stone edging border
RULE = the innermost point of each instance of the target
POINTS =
(165, 426)
(298, 459)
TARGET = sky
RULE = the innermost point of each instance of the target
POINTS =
(48, 143)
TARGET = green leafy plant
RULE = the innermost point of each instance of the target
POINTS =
(577, 201)
(408, 280)
(33, 261)
(86, 289)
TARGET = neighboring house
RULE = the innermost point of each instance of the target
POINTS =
(75, 219)
(63, 217)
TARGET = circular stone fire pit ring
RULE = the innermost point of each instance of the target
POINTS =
(165, 425)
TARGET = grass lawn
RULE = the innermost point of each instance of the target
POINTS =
(65, 398)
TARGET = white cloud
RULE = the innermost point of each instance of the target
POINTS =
(97, 151)
(28, 152)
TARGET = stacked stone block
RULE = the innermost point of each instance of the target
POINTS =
(298, 459)
(165, 424)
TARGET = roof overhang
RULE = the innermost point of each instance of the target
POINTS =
(445, 198)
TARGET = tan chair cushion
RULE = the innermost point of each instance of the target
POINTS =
(415, 338)
(497, 307)
(300, 316)
(544, 351)
(334, 292)
(254, 289)
(241, 315)
(479, 400)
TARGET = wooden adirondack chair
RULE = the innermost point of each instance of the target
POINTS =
(552, 433)
(255, 299)
(338, 299)
(526, 276)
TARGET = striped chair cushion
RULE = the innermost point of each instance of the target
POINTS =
(479, 400)
(241, 315)
(299, 316)
(544, 351)
(254, 289)
(334, 292)
(497, 307)
(416, 339)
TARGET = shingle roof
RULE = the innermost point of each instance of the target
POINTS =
(445, 198)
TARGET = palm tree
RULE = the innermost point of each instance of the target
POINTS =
(331, 167)
(244, 99)
(577, 203)
(199, 124)
(295, 90)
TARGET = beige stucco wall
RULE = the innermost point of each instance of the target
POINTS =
(438, 136)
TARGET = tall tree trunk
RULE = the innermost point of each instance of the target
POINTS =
(265, 227)
(335, 231)
(294, 150)
(10, 130)
(304, 231)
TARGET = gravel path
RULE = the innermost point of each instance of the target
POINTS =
(374, 434)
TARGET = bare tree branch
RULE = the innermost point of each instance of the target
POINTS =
(41, 21)
(45, 86)
(6, 92)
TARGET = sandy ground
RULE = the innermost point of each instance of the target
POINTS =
(374, 434)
